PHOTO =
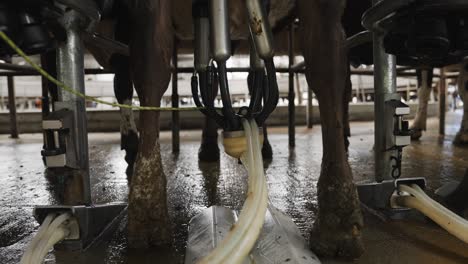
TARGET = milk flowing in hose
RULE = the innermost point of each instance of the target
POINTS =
(238, 243)
(419, 200)
(53, 230)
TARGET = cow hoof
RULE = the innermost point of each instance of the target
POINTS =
(208, 153)
(416, 134)
(129, 143)
(267, 151)
(461, 139)
(345, 246)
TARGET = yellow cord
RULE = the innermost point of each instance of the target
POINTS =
(77, 93)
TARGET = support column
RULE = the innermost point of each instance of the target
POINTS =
(47, 59)
(442, 101)
(385, 89)
(175, 103)
(70, 70)
(291, 93)
(12, 107)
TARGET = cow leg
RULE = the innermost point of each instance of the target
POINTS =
(267, 150)
(458, 200)
(123, 89)
(462, 136)
(346, 99)
(337, 229)
(209, 150)
(424, 92)
(151, 45)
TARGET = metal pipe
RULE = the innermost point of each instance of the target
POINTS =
(385, 89)
(12, 107)
(221, 40)
(48, 136)
(260, 30)
(70, 69)
(200, 14)
(16, 67)
(291, 94)
(175, 103)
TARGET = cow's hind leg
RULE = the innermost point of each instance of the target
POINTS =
(209, 150)
(346, 99)
(123, 89)
(462, 136)
(267, 150)
(424, 92)
(337, 229)
(151, 45)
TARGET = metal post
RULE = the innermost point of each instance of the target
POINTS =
(12, 107)
(291, 94)
(70, 70)
(442, 101)
(175, 104)
(48, 136)
(385, 89)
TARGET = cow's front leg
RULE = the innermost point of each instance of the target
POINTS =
(151, 47)
(337, 229)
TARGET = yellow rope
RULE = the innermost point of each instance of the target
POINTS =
(79, 94)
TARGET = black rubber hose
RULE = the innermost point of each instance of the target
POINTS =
(256, 91)
(208, 110)
(196, 98)
(232, 120)
(271, 95)
(204, 84)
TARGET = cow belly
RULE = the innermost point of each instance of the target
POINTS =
(183, 25)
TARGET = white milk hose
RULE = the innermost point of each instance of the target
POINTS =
(416, 198)
(54, 229)
(240, 240)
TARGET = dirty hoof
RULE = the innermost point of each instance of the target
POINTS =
(342, 245)
(416, 134)
(267, 151)
(129, 143)
(208, 152)
(147, 240)
(461, 139)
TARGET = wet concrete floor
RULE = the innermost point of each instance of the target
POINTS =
(192, 186)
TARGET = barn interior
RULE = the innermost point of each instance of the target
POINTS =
(65, 167)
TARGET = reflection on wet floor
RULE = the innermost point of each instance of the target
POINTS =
(192, 186)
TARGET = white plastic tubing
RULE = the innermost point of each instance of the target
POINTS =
(53, 230)
(238, 243)
(420, 201)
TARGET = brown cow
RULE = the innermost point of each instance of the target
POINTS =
(337, 230)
